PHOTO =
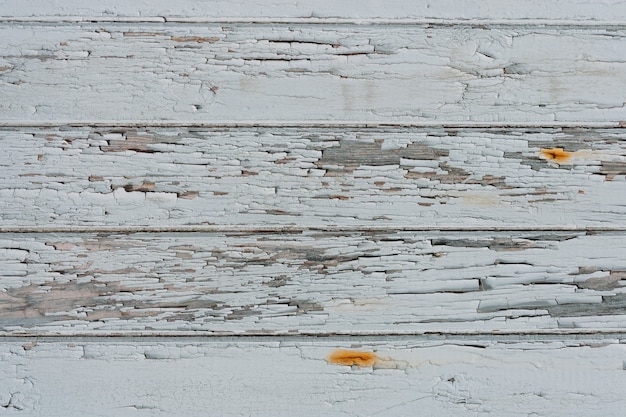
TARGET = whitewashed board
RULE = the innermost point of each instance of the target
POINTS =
(291, 178)
(283, 378)
(136, 73)
(312, 208)
(312, 283)
(579, 11)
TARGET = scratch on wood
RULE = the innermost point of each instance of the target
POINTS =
(197, 39)
(140, 34)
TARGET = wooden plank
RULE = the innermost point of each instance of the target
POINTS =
(311, 283)
(290, 177)
(588, 10)
(282, 378)
(296, 72)
(357, 209)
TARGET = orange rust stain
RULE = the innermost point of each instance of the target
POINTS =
(352, 357)
(556, 154)
(197, 39)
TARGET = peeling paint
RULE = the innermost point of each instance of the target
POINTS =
(186, 176)
(314, 282)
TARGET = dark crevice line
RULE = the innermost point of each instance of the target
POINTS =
(300, 230)
(307, 20)
(308, 125)
(199, 336)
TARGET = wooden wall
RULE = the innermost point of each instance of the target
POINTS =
(320, 208)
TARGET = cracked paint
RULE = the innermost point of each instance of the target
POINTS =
(398, 74)
(407, 177)
(434, 266)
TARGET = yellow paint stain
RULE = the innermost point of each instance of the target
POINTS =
(556, 154)
(352, 357)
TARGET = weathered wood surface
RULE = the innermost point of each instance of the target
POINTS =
(200, 202)
(298, 72)
(313, 283)
(489, 10)
(283, 378)
(268, 177)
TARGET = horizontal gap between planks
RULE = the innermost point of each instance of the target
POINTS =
(315, 21)
(299, 230)
(451, 336)
(309, 124)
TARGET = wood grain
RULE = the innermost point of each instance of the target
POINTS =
(297, 72)
(312, 178)
(311, 283)
(282, 378)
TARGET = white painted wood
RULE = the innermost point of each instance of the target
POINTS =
(322, 73)
(312, 283)
(286, 378)
(340, 177)
(439, 184)
(585, 10)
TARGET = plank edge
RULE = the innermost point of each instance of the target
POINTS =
(315, 21)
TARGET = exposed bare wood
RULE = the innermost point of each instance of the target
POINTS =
(380, 208)
(314, 283)
(259, 178)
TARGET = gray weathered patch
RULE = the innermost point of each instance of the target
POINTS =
(610, 305)
(498, 244)
(352, 154)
